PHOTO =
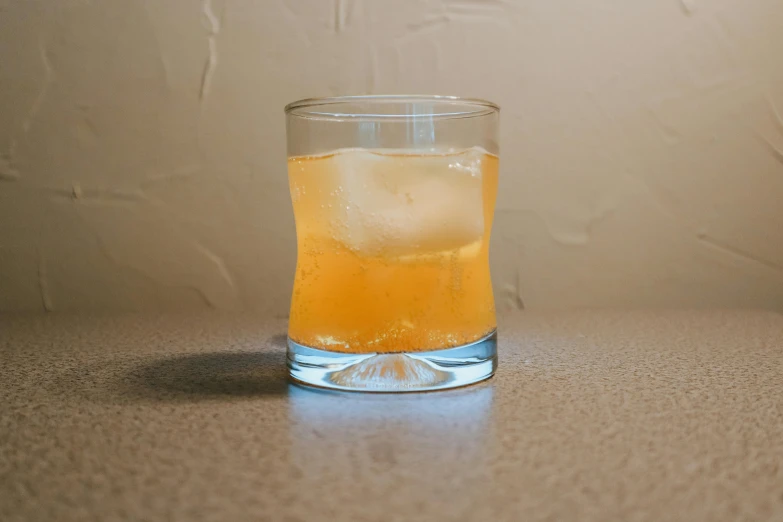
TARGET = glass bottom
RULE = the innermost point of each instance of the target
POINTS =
(394, 372)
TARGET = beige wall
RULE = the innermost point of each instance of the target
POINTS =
(142, 143)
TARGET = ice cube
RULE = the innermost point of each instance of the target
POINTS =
(407, 203)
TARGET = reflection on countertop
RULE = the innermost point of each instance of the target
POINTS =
(658, 415)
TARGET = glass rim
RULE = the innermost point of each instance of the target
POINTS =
(468, 107)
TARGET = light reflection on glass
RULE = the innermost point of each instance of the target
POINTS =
(369, 134)
(421, 130)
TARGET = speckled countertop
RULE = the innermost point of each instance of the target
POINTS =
(592, 416)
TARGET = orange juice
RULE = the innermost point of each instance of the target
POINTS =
(393, 249)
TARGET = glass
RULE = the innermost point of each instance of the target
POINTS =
(393, 199)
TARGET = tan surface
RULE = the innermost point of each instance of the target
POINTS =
(592, 416)
(142, 144)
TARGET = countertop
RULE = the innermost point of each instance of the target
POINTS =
(667, 415)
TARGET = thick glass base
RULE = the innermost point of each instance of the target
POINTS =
(394, 372)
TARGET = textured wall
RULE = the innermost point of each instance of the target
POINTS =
(142, 143)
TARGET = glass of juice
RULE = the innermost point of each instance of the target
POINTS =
(393, 198)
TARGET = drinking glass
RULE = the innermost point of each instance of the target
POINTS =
(393, 198)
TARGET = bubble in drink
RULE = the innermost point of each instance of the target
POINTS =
(392, 249)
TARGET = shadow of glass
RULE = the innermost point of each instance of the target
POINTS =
(205, 376)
